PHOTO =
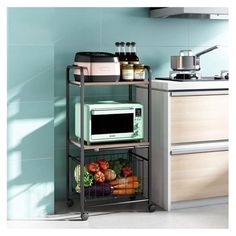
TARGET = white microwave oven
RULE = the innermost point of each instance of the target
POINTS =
(110, 122)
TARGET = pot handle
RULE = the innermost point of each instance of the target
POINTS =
(207, 50)
(182, 52)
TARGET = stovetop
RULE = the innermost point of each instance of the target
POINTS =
(194, 79)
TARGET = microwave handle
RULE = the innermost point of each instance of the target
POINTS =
(113, 111)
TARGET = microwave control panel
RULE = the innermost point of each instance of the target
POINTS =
(138, 122)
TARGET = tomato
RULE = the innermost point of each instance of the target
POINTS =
(103, 164)
(93, 167)
(127, 171)
(99, 177)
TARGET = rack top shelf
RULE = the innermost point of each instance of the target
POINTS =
(99, 147)
(144, 82)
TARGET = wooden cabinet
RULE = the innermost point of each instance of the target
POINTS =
(190, 144)
(199, 175)
(199, 118)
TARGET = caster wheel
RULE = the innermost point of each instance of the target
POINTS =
(151, 208)
(84, 216)
(70, 202)
(132, 198)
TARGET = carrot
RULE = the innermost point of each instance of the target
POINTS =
(124, 180)
(127, 185)
(124, 191)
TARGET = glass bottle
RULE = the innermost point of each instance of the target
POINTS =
(117, 53)
(123, 58)
(128, 52)
(127, 72)
(134, 57)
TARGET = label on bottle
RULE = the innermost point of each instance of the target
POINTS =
(123, 62)
(127, 74)
(134, 62)
(139, 74)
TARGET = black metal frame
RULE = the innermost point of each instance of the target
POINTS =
(81, 85)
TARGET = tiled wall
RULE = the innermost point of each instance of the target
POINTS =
(30, 113)
(42, 42)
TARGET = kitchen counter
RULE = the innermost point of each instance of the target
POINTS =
(189, 142)
(195, 85)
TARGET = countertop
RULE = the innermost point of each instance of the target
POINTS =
(168, 85)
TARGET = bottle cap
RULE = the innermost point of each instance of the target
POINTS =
(133, 44)
(122, 44)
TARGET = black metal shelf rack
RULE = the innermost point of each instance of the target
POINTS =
(87, 150)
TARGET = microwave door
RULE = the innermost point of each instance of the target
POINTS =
(110, 125)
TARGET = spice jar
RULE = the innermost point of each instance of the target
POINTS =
(139, 72)
(127, 72)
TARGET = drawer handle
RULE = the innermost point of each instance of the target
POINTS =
(197, 148)
(198, 93)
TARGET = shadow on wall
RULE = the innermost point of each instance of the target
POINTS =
(30, 174)
(30, 160)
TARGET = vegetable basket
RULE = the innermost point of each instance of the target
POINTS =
(110, 176)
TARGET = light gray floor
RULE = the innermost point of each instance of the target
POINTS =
(215, 216)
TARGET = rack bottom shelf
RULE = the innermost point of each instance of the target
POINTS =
(112, 200)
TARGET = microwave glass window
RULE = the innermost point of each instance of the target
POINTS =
(115, 123)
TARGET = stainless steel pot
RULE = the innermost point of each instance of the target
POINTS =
(186, 60)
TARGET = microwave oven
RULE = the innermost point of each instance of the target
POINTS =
(110, 122)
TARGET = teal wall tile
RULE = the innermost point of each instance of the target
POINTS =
(30, 112)
(30, 129)
(30, 72)
(208, 32)
(31, 192)
(31, 25)
(60, 174)
(30, 159)
(134, 24)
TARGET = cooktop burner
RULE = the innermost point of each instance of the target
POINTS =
(194, 79)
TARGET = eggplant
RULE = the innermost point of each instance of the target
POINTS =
(98, 190)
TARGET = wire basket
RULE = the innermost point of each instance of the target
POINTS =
(110, 175)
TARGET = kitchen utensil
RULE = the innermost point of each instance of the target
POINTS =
(186, 61)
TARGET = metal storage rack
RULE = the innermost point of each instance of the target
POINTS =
(86, 150)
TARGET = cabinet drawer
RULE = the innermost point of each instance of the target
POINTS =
(199, 175)
(199, 118)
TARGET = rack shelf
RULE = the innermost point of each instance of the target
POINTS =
(144, 82)
(99, 147)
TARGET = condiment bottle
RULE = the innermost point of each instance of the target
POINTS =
(134, 58)
(128, 52)
(123, 58)
(127, 72)
(139, 72)
(117, 53)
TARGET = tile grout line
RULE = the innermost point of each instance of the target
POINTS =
(31, 44)
(40, 101)
(38, 159)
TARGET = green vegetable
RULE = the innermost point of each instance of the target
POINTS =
(117, 165)
(88, 178)
(125, 162)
